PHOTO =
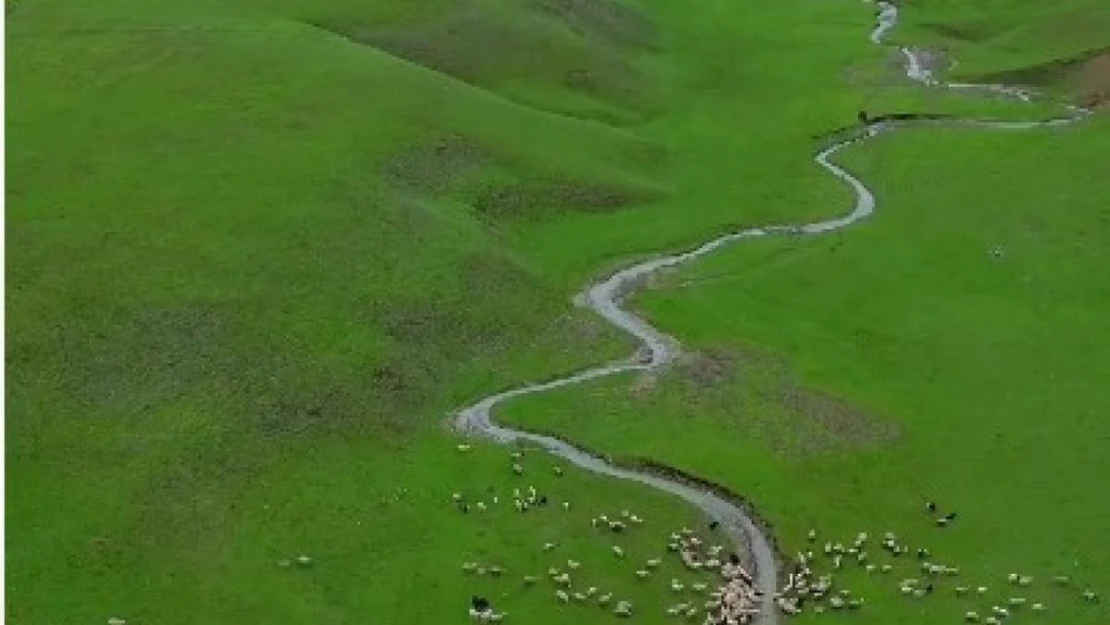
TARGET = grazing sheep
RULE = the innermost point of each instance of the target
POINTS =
(623, 609)
(562, 580)
(653, 563)
(990, 620)
(1025, 580)
(674, 611)
(1037, 607)
(635, 520)
(617, 551)
(982, 590)
(481, 506)
(469, 567)
(870, 568)
(552, 571)
(886, 568)
(971, 617)
(676, 585)
(463, 447)
(566, 505)
(530, 580)
(698, 587)
(579, 597)
(558, 472)
(1061, 580)
(115, 620)
(605, 599)
(961, 590)
(812, 536)
(714, 524)
(562, 595)
(922, 554)
(1089, 595)
(1000, 611)
(303, 560)
(516, 455)
(1016, 602)
(457, 497)
(672, 546)
(591, 591)
(549, 546)
(481, 570)
(836, 603)
(496, 571)
(617, 526)
(573, 564)
(642, 574)
(517, 469)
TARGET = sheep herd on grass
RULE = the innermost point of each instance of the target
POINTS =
(813, 583)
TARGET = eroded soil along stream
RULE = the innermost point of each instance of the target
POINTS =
(605, 298)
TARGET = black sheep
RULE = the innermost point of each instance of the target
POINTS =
(714, 525)
(480, 604)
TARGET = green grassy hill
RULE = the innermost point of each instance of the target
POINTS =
(259, 249)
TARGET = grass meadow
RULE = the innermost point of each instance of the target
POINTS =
(259, 249)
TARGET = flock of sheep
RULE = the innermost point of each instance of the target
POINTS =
(811, 585)
(805, 586)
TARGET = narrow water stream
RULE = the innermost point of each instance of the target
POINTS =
(605, 298)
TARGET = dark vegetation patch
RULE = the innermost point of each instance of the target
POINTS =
(433, 166)
(538, 199)
(485, 49)
(608, 21)
(970, 32)
(762, 395)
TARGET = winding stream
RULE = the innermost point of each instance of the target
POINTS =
(605, 297)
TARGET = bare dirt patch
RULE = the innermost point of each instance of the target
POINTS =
(1086, 74)
(762, 396)
(1094, 81)
(605, 20)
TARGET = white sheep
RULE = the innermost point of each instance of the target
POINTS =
(463, 447)
(469, 567)
(605, 599)
(573, 564)
(591, 591)
(1089, 595)
(676, 585)
(562, 580)
(624, 608)
(549, 546)
(530, 580)
(1037, 607)
(1016, 602)
(517, 469)
(1025, 580)
(579, 597)
(971, 617)
(562, 595)
(617, 551)
(982, 590)
(642, 574)
(653, 563)
(115, 620)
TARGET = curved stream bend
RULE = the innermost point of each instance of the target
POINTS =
(605, 296)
